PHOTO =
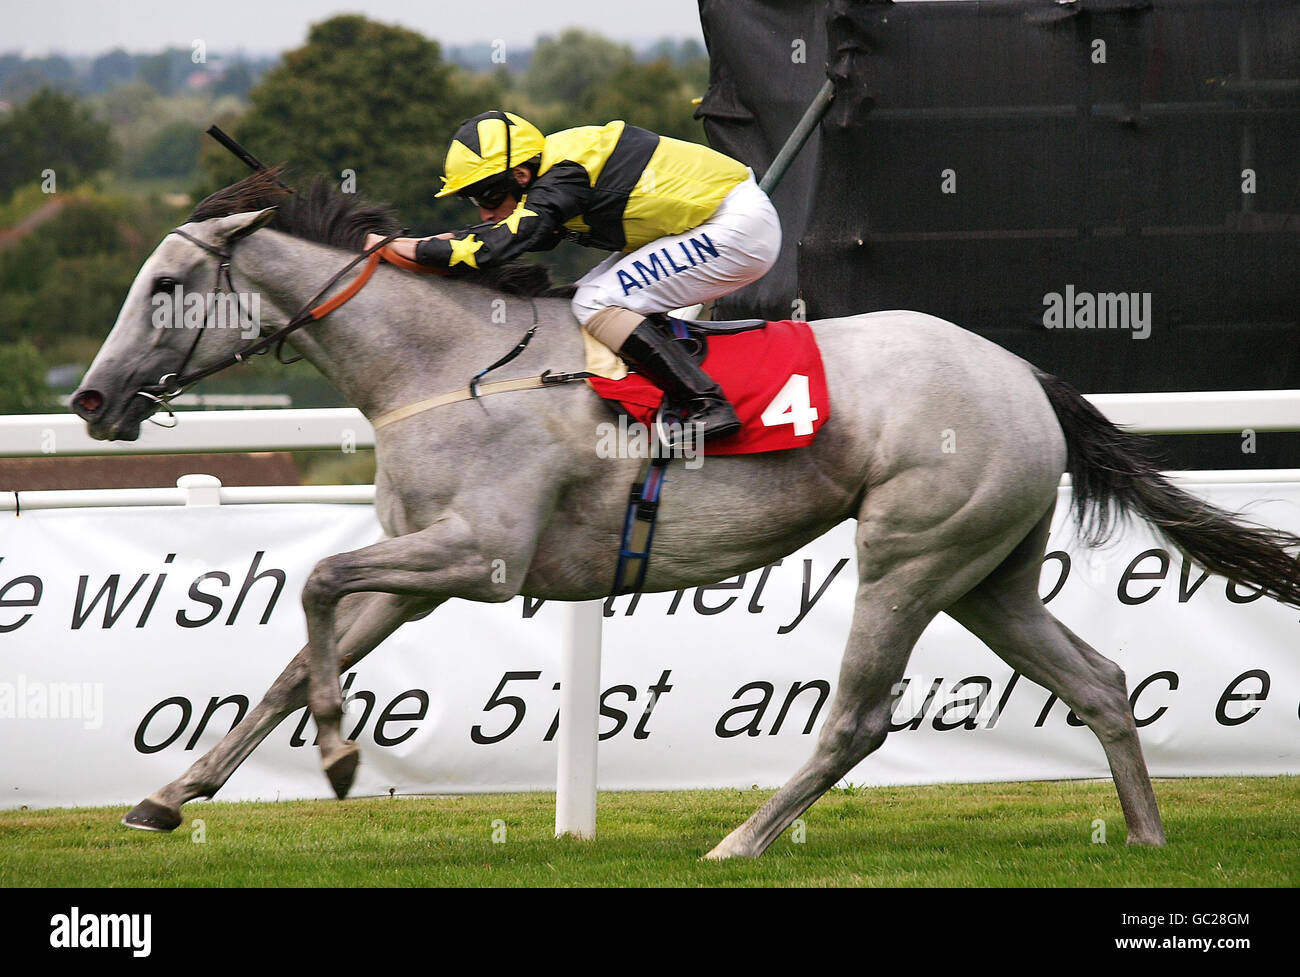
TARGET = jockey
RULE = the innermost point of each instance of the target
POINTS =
(686, 225)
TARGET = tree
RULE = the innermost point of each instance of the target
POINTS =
(111, 69)
(573, 67)
(24, 390)
(158, 72)
(128, 103)
(52, 131)
(236, 79)
(654, 96)
(367, 97)
(9, 63)
(69, 276)
(33, 74)
(172, 151)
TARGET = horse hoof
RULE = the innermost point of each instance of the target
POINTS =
(732, 846)
(151, 816)
(342, 769)
(720, 851)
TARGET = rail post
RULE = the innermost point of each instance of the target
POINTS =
(575, 775)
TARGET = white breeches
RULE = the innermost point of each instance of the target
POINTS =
(735, 246)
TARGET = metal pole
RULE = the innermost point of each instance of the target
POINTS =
(811, 118)
(575, 776)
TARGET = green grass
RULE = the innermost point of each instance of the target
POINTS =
(1222, 832)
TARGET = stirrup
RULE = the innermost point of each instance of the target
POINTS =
(663, 360)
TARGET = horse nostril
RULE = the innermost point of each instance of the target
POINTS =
(87, 402)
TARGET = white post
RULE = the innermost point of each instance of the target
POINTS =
(575, 777)
(200, 489)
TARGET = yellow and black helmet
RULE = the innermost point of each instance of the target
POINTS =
(480, 147)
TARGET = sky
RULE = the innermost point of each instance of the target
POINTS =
(272, 26)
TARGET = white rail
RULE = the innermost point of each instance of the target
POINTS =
(1208, 412)
(188, 485)
(35, 435)
(189, 489)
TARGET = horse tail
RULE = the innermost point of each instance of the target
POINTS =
(1114, 473)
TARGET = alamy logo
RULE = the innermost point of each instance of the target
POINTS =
(179, 309)
(1098, 310)
(74, 931)
(636, 440)
(53, 700)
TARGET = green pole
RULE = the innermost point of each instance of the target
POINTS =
(802, 131)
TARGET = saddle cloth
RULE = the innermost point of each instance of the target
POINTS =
(772, 375)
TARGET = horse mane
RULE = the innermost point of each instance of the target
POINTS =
(326, 215)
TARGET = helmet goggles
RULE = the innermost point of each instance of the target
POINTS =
(489, 194)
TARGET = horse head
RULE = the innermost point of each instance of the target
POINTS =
(167, 325)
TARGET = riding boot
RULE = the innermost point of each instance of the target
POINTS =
(660, 358)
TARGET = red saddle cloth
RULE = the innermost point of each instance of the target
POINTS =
(772, 375)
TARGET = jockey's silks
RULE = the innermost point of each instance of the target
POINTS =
(614, 187)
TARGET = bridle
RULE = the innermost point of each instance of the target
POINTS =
(172, 384)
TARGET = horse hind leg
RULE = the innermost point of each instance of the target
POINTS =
(857, 722)
(898, 595)
(1006, 613)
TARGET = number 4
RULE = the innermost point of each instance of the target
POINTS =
(793, 405)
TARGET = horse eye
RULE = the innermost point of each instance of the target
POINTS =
(163, 285)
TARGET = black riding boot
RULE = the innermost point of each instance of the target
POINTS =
(661, 358)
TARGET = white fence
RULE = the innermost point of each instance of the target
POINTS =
(34, 435)
(265, 430)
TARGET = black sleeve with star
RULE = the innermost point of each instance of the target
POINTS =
(535, 225)
(561, 193)
(487, 244)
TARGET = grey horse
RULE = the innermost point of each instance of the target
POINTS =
(486, 500)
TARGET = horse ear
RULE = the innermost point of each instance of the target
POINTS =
(237, 226)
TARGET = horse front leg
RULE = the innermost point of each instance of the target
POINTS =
(448, 559)
(363, 622)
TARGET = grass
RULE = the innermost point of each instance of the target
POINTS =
(1222, 832)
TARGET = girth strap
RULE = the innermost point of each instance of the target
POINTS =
(639, 527)
(547, 379)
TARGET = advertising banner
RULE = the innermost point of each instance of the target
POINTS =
(132, 639)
